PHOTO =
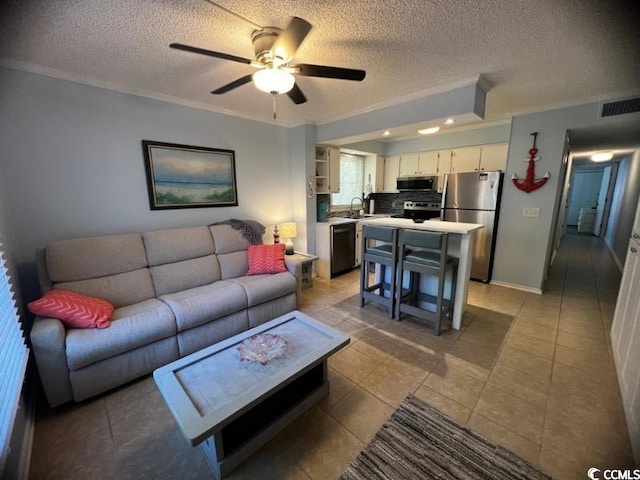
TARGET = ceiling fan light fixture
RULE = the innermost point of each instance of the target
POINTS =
(602, 156)
(273, 80)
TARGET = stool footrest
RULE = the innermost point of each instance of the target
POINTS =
(447, 304)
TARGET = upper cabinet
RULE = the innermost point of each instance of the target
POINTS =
(391, 173)
(423, 163)
(374, 172)
(465, 159)
(409, 164)
(494, 157)
(444, 161)
(327, 169)
(479, 158)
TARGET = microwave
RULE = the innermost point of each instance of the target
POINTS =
(424, 183)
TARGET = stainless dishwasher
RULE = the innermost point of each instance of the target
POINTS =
(343, 247)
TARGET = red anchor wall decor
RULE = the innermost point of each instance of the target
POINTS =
(529, 184)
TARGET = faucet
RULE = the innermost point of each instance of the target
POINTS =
(355, 215)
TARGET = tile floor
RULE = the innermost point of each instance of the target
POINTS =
(533, 373)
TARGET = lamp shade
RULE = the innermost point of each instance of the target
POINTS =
(273, 80)
(288, 230)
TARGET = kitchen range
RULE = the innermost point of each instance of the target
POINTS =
(419, 211)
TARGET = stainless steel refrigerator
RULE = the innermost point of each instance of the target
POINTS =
(474, 197)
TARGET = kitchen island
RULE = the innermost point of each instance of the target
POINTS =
(461, 242)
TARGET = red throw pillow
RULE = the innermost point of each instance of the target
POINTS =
(266, 259)
(73, 309)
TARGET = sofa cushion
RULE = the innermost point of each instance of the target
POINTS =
(176, 244)
(203, 304)
(233, 264)
(131, 327)
(120, 290)
(262, 288)
(227, 240)
(73, 309)
(83, 258)
(266, 259)
(195, 272)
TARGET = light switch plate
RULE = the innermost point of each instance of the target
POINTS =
(531, 212)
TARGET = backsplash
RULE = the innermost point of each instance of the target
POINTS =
(387, 203)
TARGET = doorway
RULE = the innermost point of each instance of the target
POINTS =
(589, 199)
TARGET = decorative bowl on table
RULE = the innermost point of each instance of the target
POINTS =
(262, 348)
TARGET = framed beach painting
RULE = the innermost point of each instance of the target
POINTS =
(182, 176)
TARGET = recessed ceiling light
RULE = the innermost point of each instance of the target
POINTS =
(386, 133)
(428, 131)
(602, 156)
(449, 121)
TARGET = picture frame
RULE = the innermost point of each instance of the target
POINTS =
(186, 176)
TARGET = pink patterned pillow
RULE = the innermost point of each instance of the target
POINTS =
(266, 259)
(73, 309)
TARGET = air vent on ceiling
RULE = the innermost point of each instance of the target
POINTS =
(621, 107)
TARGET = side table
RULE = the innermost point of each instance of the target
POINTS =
(306, 260)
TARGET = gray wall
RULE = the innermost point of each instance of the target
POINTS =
(72, 155)
(524, 244)
(621, 217)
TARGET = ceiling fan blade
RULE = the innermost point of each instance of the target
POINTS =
(296, 95)
(309, 70)
(235, 84)
(211, 53)
(290, 39)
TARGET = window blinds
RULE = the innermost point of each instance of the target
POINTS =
(13, 359)
(351, 181)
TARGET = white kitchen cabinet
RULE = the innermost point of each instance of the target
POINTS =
(466, 159)
(625, 337)
(428, 164)
(444, 167)
(327, 169)
(409, 164)
(444, 162)
(374, 172)
(423, 163)
(391, 173)
(494, 157)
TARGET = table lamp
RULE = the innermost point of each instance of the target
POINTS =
(288, 231)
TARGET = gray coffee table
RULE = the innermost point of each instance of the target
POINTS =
(231, 407)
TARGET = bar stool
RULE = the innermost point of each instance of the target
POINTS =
(384, 254)
(424, 253)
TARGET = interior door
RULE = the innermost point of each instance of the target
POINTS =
(602, 201)
(584, 194)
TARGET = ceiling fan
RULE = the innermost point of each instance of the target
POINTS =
(275, 49)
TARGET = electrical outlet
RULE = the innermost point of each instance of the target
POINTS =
(531, 212)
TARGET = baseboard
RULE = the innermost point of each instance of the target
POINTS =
(615, 257)
(516, 287)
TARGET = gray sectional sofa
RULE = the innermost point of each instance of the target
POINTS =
(174, 291)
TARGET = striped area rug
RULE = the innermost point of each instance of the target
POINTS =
(419, 442)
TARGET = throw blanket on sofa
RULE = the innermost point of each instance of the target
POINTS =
(250, 229)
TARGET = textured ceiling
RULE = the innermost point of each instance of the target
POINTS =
(536, 54)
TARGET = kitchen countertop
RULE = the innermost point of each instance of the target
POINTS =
(339, 220)
(433, 225)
